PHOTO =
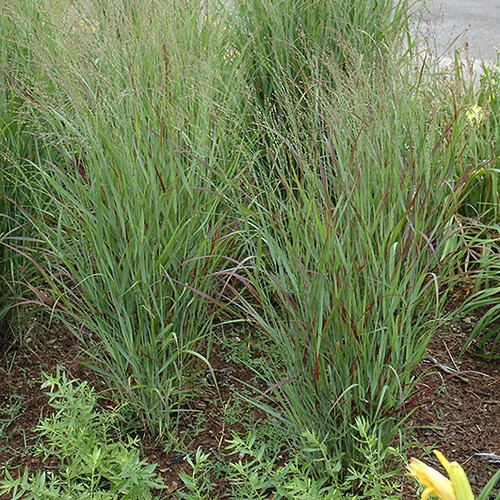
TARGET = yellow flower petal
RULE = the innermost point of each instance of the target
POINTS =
(444, 462)
(435, 484)
(475, 114)
(460, 483)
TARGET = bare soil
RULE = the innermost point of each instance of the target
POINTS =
(458, 413)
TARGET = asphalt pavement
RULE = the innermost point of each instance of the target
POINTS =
(455, 22)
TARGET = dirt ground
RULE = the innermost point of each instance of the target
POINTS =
(456, 411)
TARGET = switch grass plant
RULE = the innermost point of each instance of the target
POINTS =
(13, 147)
(19, 246)
(355, 238)
(485, 336)
(477, 105)
(481, 141)
(134, 216)
(280, 37)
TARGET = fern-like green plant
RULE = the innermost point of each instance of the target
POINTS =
(94, 463)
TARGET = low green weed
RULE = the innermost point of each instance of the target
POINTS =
(9, 412)
(262, 472)
(197, 484)
(93, 461)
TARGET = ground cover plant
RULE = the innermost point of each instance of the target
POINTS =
(92, 464)
(169, 168)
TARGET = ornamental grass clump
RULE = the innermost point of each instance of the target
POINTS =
(351, 225)
(477, 135)
(476, 105)
(285, 40)
(20, 246)
(135, 218)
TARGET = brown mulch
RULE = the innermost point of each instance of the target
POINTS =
(20, 378)
(457, 413)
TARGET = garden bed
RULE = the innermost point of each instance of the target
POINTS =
(457, 413)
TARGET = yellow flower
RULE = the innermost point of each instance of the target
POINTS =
(435, 484)
(460, 483)
(475, 114)
(438, 486)
(86, 27)
(231, 55)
